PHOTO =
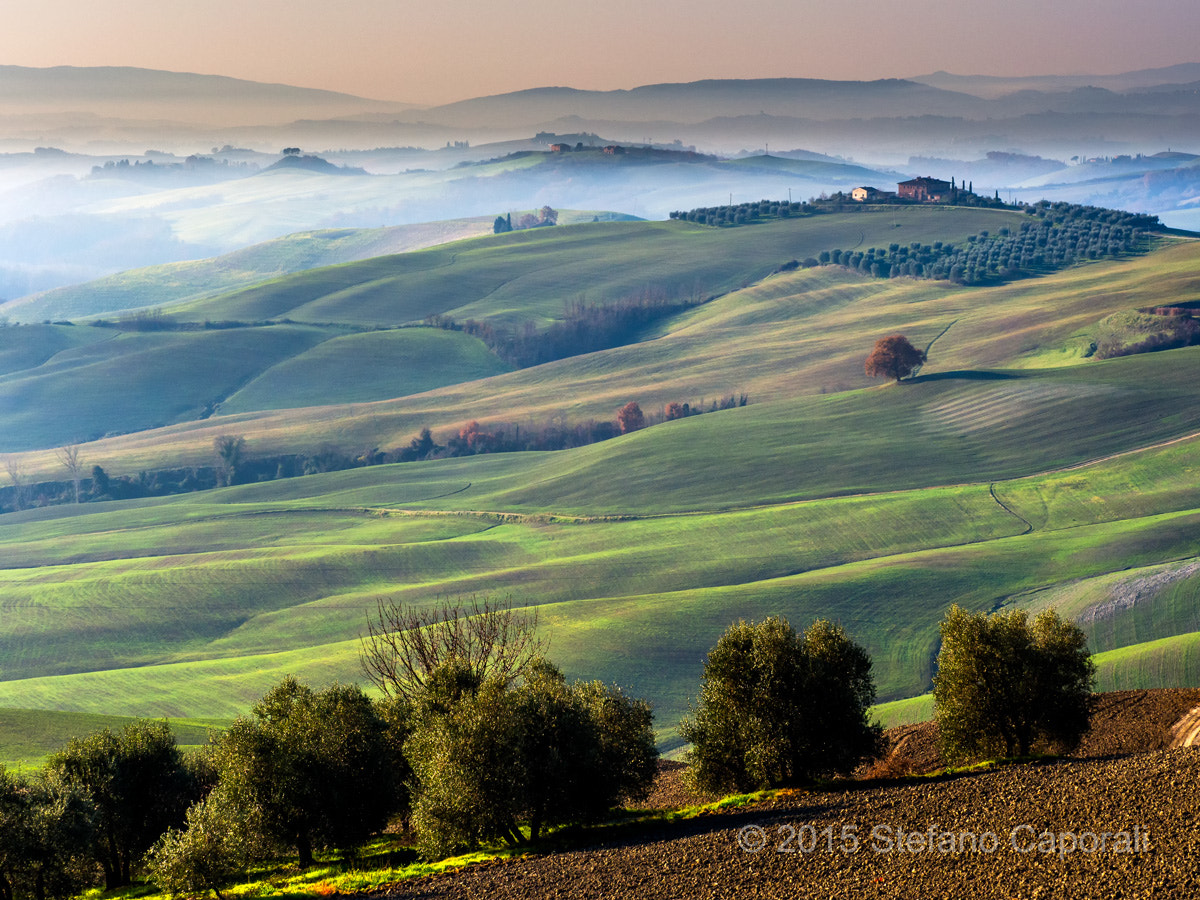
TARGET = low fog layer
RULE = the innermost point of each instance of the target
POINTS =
(89, 187)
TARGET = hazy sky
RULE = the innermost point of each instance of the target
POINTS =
(433, 51)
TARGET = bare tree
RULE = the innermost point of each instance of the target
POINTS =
(69, 457)
(403, 644)
(16, 474)
(229, 449)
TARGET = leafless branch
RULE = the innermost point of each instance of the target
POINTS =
(404, 644)
(16, 474)
(69, 457)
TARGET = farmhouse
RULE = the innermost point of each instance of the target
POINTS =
(870, 195)
(926, 190)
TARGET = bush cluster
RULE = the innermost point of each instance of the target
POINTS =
(1058, 235)
(478, 738)
(745, 213)
(472, 759)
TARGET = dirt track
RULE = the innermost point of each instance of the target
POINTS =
(1186, 732)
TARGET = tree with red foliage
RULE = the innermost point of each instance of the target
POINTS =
(630, 417)
(894, 357)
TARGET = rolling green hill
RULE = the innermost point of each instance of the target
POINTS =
(1014, 471)
(172, 283)
(531, 275)
(511, 279)
(163, 285)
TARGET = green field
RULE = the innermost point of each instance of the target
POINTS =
(1013, 472)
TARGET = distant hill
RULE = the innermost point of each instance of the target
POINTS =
(173, 96)
(314, 164)
(997, 86)
(175, 282)
(698, 101)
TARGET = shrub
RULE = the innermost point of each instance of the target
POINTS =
(216, 844)
(777, 707)
(138, 784)
(488, 756)
(311, 769)
(1004, 684)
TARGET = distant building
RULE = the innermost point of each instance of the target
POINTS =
(614, 150)
(925, 190)
(560, 148)
(870, 195)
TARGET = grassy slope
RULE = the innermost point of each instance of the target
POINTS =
(114, 384)
(303, 561)
(32, 735)
(822, 322)
(886, 566)
(507, 278)
(174, 282)
(360, 368)
(532, 274)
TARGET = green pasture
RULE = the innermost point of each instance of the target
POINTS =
(118, 382)
(1168, 662)
(31, 346)
(904, 712)
(283, 579)
(164, 285)
(1013, 472)
(28, 736)
(637, 602)
(360, 368)
(820, 322)
(795, 335)
(531, 275)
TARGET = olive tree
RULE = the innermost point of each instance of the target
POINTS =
(310, 769)
(1005, 684)
(139, 785)
(490, 758)
(218, 841)
(777, 707)
(45, 839)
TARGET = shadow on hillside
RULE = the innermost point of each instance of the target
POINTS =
(967, 375)
(766, 817)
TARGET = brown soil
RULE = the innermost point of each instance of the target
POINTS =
(846, 842)
(1122, 722)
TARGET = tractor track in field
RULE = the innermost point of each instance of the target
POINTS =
(1008, 509)
(1186, 732)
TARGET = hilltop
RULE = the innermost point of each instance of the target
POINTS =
(172, 97)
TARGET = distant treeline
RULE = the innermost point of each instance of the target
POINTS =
(585, 328)
(759, 211)
(154, 319)
(1058, 235)
(746, 213)
(233, 465)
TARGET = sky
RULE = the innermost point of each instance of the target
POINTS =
(437, 51)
